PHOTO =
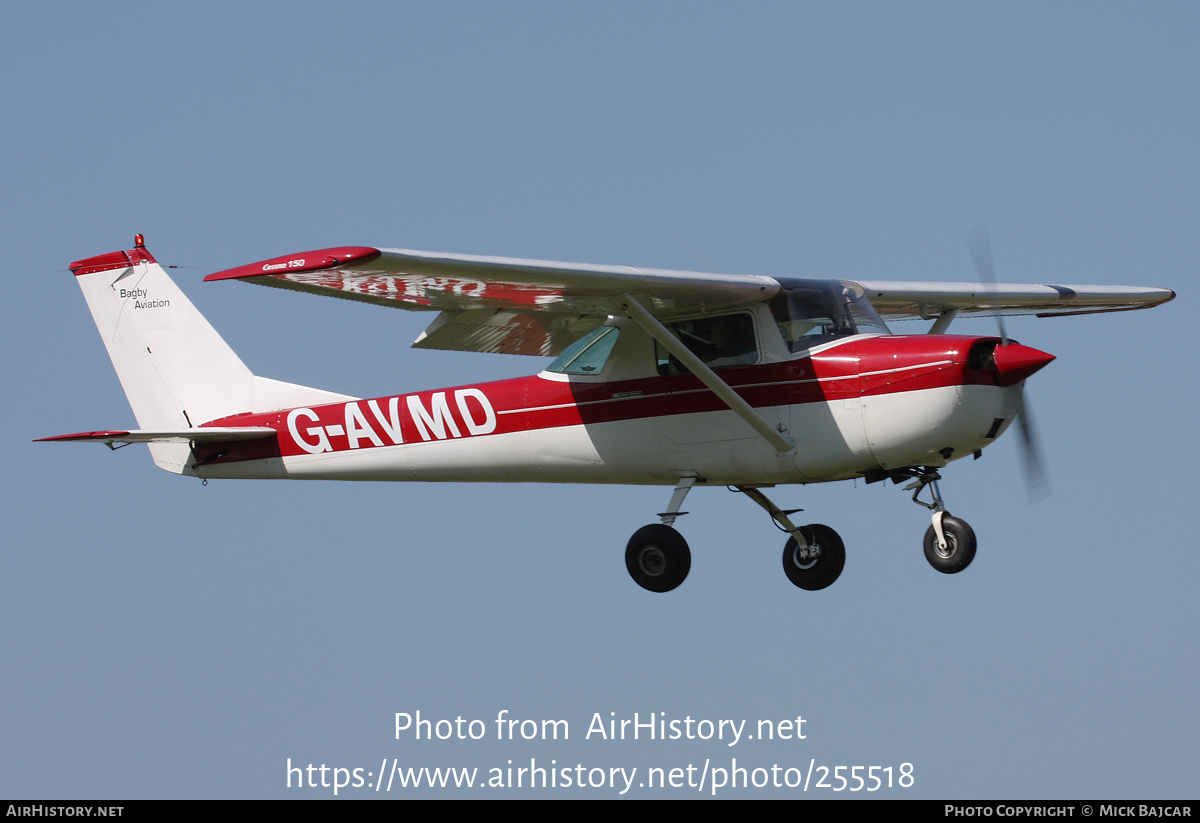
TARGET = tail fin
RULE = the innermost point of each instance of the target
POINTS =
(177, 372)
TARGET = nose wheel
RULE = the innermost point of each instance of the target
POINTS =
(955, 551)
(949, 541)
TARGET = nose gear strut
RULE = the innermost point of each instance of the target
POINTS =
(949, 542)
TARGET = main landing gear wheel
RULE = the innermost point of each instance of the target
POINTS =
(658, 558)
(960, 546)
(818, 564)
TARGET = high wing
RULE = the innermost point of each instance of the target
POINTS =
(539, 307)
(499, 304)
(911, 301)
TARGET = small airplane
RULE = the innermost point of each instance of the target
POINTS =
(660, 377)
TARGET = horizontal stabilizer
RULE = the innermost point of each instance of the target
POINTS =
(208, 434)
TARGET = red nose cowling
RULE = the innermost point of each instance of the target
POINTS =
(1015, 362)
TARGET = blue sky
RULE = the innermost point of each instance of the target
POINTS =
(164, 639)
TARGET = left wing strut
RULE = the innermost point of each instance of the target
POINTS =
(707, 376)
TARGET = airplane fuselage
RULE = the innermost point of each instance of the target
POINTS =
(858, 405)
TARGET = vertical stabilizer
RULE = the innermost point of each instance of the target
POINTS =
(177, 372)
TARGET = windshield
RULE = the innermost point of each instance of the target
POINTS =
(809, 312)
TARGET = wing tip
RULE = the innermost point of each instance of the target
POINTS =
(304, 261)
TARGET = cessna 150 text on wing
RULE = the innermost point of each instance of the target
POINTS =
(661, 378)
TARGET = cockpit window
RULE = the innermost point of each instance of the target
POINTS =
(588, 354)
(810, 312)
(718, 341)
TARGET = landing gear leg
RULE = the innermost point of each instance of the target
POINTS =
(814, 555)
(949, 541)
(685, 485)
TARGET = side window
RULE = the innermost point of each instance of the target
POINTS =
(719, 341)
(588, 354)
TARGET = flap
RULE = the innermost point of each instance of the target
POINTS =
(505, 332)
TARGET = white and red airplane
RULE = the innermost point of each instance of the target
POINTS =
(661, 378)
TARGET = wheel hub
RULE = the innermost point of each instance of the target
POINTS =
(950, 549)
(652, 561)
(806, 556)
(658, 558)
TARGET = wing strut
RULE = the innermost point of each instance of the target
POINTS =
(943, 321)
(707, 376)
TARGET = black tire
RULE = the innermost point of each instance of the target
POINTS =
(658, 558)
(960, 546)
(815, 573)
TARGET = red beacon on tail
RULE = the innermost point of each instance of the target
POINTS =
(670, 378)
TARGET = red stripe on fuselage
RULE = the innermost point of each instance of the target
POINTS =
(863, 367)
